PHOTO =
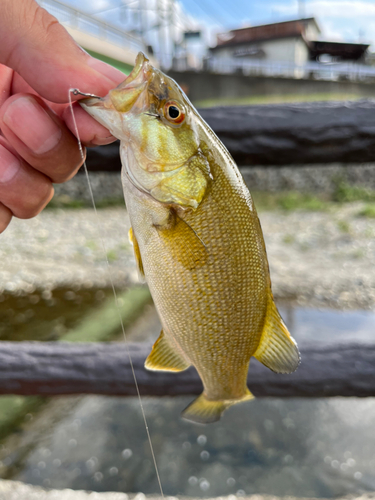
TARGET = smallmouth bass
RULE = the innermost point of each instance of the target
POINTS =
(197, 241)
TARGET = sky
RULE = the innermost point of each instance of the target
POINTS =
(339, 20)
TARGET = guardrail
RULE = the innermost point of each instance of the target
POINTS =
(316, 70)
(77, 19)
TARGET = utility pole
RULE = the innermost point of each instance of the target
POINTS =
(160, 31)
(167, 34)
(123, 13)
(172, 30)
(301, 9)
(142, 20)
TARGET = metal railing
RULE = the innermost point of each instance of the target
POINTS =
(316, 70)
(77, 19)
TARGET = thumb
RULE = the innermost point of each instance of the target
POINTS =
(35, 45)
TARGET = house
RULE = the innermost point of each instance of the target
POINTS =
(293, 42)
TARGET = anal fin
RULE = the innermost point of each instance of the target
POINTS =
(137, 253)
(164, 357)
(205, 411)
(277, 348)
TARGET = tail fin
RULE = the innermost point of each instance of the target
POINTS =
(204, 411)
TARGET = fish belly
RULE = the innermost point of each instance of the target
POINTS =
(215, 308)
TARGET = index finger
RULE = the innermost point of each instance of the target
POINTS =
(46, 46)
(90, 132)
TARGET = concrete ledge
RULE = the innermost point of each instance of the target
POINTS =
(14, 490)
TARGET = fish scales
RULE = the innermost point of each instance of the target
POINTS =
(198, 241)
(233, 302)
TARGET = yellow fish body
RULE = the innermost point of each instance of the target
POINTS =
(197, 240)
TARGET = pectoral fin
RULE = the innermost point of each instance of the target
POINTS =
(164, 357)
(277, 348)
(184, 244)
(137, 253)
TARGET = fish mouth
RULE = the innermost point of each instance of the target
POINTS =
(124, 96)
(142, 67)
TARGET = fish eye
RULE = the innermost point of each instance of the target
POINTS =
(173, 112)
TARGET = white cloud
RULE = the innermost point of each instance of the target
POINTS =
(340, 20)
(331, 31)
(348, 9)
(287, 9)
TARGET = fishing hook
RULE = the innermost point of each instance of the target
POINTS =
(78, 92)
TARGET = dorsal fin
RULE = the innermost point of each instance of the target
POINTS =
(277, 348)
(164, 357)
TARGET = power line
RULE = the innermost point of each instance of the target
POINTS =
(229, 11)
(120, 6)
(208, 12)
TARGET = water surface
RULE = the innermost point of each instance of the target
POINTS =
(328, 325)
(46, 315)
(313, 448)
(302, 447)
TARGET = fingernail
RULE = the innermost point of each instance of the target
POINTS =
(9, 165)
(115, 75)
(32, 125)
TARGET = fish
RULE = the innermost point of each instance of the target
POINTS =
(197, 242)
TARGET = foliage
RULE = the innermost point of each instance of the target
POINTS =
(343, 226)
(264, 200)
(344, 192)
(69, 203)
(368, 211)
(288, 201)
(276, 99)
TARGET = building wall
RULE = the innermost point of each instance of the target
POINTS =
(301, 57)
(280, 50)
(311, 31)
(287, 50)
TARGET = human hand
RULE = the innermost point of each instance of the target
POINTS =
(39, 63)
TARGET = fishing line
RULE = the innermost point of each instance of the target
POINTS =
(76, 92)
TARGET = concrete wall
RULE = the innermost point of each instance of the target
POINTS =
(201, 86)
